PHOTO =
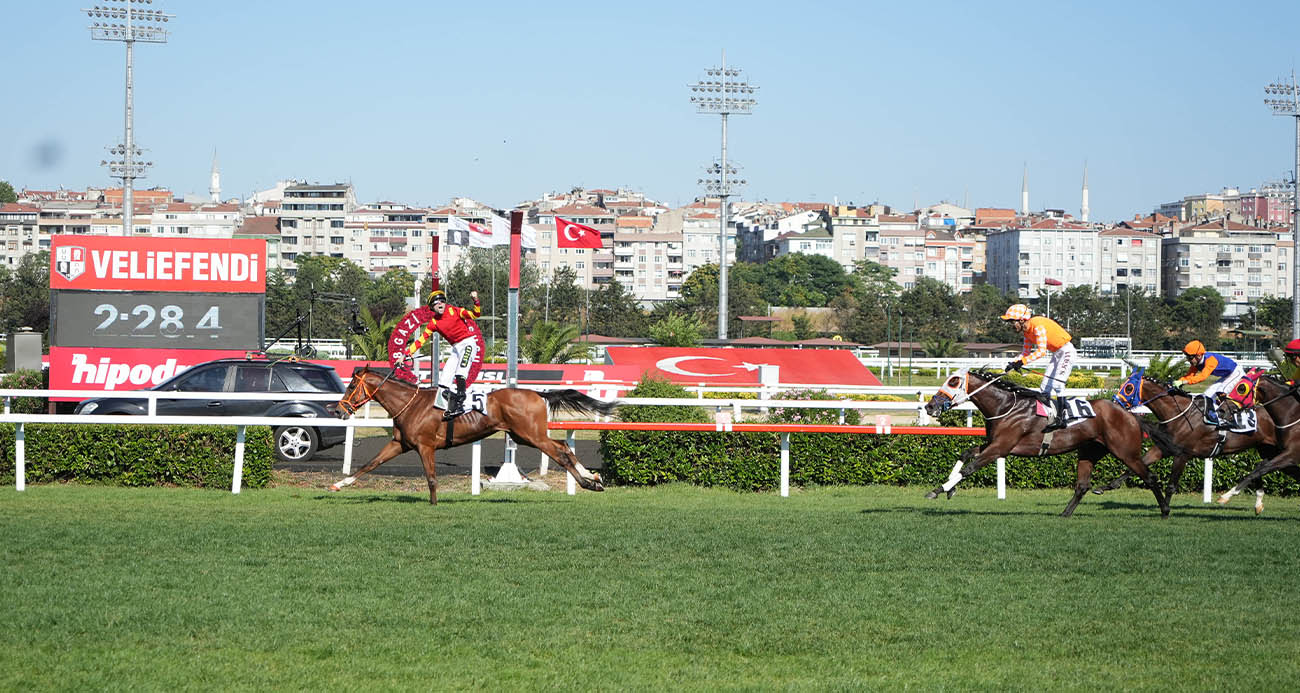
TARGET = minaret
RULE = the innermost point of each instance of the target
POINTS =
(1083, 210)
(1024, 192)
(214, 188)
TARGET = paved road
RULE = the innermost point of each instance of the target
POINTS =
(451, 461)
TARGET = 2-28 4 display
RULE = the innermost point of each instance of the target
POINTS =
(157, 319)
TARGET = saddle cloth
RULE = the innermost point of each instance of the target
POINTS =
(1077, 410)
(476, 401)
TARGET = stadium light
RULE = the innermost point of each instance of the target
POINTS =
(728, 93)
(1289, 105)
(140, 25)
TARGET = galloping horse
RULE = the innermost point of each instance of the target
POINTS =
(1013, 427)
(1182, 432)
(418, 425)
(1282, 402)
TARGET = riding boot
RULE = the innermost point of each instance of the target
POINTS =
(456, 406)
(1056, 422)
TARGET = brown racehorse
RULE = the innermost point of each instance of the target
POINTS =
(1282, 401)
(1013, 427)
(418, 425)
(1181, 430)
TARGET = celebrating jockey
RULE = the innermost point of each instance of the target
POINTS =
(1201, 365)
(1043, 336)
(458, 326)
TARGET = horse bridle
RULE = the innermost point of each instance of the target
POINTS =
(351, 407)
(970, 396)
(1292, 391)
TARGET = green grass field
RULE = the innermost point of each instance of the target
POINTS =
(674, 588)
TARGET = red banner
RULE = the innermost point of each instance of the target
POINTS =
(571, 235)
(91, 368)
(123, 263)
(736, 366)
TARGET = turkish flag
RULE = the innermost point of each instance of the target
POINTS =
(571, 235)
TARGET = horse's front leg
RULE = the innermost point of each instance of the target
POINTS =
(428, 452)
(392, 449)
(1082, 477)
(1176, 469)
(975, 457)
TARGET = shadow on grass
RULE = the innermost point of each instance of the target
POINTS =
(1203, 513)
(424, 498)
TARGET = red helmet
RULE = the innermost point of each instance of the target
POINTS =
(1292, 348)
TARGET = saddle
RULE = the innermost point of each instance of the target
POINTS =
(1070, 410)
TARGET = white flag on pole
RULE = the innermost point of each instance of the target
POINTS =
(501, 233)
(477, 235)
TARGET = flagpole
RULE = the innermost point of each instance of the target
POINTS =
(508, 476)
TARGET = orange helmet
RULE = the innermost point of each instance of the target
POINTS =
(1194, 348)
(1019, 311)
(1292, 348)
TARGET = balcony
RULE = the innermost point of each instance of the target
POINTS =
(603, 256)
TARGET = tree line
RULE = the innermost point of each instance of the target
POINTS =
(868, 305)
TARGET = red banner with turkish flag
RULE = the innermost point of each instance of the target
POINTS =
(572, 235)
(735, 366)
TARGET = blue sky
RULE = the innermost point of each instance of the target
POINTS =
(418, 102)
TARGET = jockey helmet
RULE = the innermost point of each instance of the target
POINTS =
(1292, 348)
(1194, 348)
(1019, 311)
(437, 295)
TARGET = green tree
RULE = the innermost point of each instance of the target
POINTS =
(551, 342)
(7, 194)
(930, 310)
(802, 325)
(677, 330)
(1274, 313)
(940, 347)
(487, 270)
(796, 279)
(1196, 314)
(615, 312)
(699, 297)
(982, 309)
(25, 295)
(373, 344)
(1143, 315)
(564, 300)
(386, 296)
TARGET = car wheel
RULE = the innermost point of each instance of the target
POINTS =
(296, 443)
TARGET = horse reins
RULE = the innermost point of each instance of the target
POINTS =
(971, 395)
(369, 395)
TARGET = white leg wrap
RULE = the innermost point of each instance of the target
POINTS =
(1230, 493)
(1259, 500)
(582, 471)
(346, 482)
(954, 477)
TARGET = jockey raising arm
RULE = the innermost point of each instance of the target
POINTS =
(1043, 337)
(460, 328)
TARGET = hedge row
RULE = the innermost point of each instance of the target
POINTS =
(138, 455)
(751, 462)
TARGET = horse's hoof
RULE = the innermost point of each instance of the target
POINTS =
(933, 494)
(1223, 500)
(952, 492)
(1097, 490)
(598, 486)
(335, 487)
(1259, 510)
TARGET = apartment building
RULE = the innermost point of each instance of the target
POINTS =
(593, 267)
(1128, 258)
(1243, 263)
(312, 221)
(1019, 260)
(387, 235)
(19, 232)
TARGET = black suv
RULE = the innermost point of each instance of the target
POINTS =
(292, 443)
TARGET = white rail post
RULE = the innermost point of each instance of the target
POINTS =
(237, 480)
(542, 466)
(1207, 490)
(20, 458)
(570, 484)
(347, 449)
(475, 467)
(785, 465)
(1002, 478)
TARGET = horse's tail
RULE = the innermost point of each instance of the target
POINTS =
(577, 402)
(1163, 440)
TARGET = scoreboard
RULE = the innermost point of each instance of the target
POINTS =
(145, 308)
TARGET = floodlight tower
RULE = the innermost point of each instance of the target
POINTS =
(725, 94)
(1289, 105)
(140, 25)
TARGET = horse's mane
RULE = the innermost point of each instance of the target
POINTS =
(1008, 386)
(385, 373)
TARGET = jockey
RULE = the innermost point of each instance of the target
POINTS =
(458, 326)
(1201, 365)
(1043, 336)
(1292, 353)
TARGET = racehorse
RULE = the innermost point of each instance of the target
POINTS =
(418, 425)
(1282, 401)
(1182, 431)
(1013, 427)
